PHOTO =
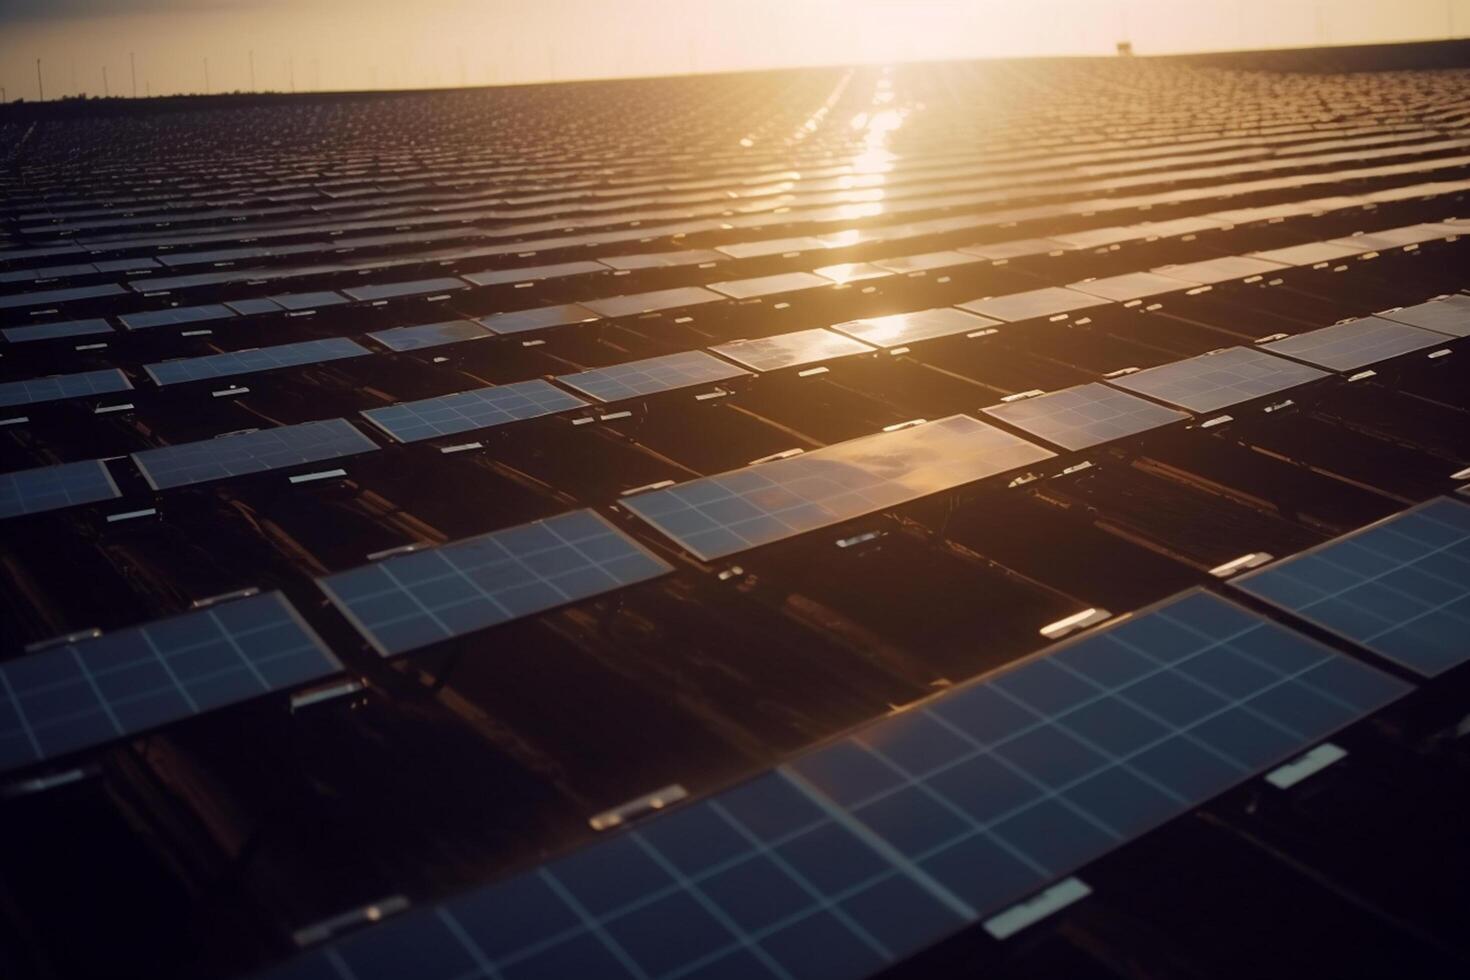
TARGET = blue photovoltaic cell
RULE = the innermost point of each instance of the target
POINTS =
(248, 361)
(53, 487)
(721, 515)
(652, 375)
(412, 600)
(49, 331)
(464, 411)
(86, 694)
(59, 386)
(861, 853)
(176, 316)
(1400, 588)
(540, 318)
(430, 335)
(250, 452)
(46, 297)
(392, 290)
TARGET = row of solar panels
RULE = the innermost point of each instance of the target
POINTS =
(410, 600)
(379, 292)
(864, 851)
(1072, 419)
(801, 185)
(1314, 252)
(720, 219)
(764, 354)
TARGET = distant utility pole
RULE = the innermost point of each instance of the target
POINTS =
(133, 69)
(252, 70)
(291, 68)
(40, 89)
(206, 76)
(106, 92)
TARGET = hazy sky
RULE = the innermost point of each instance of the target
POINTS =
(349, 44)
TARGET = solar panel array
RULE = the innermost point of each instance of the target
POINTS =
(721, 515)
(250, 361)
(1021, 239)
(1450, 315)
(83, 694)
(466, 411)
(52, 487)
(861, 853)
(416, 599)
(790, 350)
(1400, 588)
(1084, 416)
(651, 376)
(1220, 379)
(1349, 346)
(243, 453)
(58, 386)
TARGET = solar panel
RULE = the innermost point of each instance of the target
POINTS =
(1001, 785)
(531, 273)
(852, 272)
(651, 375)
(1130, 286)
(1397, 237)
(790, 349)
(663, 260)
(1309, 254)
(777, 246)
(176, 316)
(53, 487)
(660, 299)
(757, 883)
(908, 328)
(58, 386)
(430, 335)
(308, 301)
(1014, 250)
(415, 599)
(540, 318)
(861, 853)
(1400, 587)
(92, 692)
(393, 290)
(248, 361)
(904, 264)
(254, 307)
(721, 515)
(463, 411)
(1223, 269)
(786, 282)
(51, 331)
(1033, 303)
(1084, 416)
(1346, 346)
(241, 453)
(45, 297)
(1450, 315)
(1218, 379)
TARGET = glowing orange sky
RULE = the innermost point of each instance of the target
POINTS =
(337, 44)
